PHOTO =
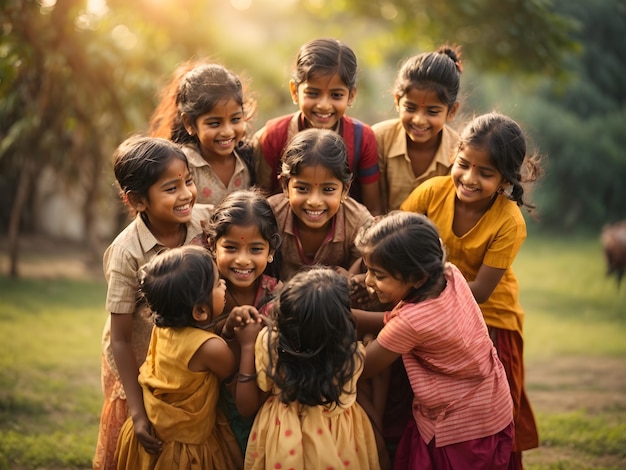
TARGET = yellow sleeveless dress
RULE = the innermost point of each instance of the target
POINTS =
(182, 407)
(308, 437)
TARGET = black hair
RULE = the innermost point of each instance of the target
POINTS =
(408, 247)
(314, 353)
(243, 208)
(325, 56)
(504, 140)
(140, 161)
(439, 71)
(312, 147)
(177, 280)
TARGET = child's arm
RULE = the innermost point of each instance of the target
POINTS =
(486, 281)
(247, 395)
(370, 193)
(368, 321)
(377, 359)
(121, 345)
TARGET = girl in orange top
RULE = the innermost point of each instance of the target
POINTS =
(477, 212)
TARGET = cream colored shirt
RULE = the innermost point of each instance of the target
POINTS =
(397, 177)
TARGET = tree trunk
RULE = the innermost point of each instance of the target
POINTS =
(21, 198)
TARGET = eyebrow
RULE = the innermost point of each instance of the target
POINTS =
(176, 180)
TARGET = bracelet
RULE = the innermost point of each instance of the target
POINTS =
(245, 377)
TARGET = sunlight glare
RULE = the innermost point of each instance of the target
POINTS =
(124, 36)
(241, 5)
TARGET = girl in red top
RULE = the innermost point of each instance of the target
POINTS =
(323, 86)
(462, 410)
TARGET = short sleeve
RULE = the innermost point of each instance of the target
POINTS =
(397, 336)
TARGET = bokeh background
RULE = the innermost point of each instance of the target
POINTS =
(78, 76)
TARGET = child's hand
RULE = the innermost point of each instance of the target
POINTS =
(239, 317)
(246, 335)
(362, 296)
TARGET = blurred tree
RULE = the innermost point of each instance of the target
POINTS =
(74, 82)
(582, 123)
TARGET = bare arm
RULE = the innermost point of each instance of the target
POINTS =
(370, 193)
(367, 321)
(377, 359)
(248, 396)
(121, 345)
(486, 281)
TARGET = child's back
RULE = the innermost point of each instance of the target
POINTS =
(309, 361)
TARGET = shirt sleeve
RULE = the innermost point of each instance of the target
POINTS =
(368, 171)
(397, 336)
(418, 200)
(120, 271)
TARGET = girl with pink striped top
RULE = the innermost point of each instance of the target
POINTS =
(462, 408)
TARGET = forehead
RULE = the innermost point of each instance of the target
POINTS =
(225, 107)
(244, 234)
(317, 174)
(325, 82)
(475, 156)
(424, 97)
(176, 168)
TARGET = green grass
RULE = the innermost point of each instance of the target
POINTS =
(50, 396)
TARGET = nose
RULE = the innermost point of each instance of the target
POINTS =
(369, 279)
(314, 199)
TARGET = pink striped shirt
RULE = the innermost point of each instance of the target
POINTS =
(460, 386)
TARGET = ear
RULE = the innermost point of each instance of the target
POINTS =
(351, 96)
(396, 100)
(453, 109)
(201, 312)
(284, 184)
(417, 284)
(189, 126)
(140, 204)
(345, 193)
(293, 89)
(270, 256)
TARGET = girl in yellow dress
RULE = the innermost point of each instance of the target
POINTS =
(308, 362)
(185, 364)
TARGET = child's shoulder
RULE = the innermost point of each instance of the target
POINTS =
(388, 125)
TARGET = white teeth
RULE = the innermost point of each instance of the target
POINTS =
(225, 142)
(324, 116)
(183, 208)
(315, 213)
(242, 271)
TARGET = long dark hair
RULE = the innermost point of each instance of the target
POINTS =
(313, 354)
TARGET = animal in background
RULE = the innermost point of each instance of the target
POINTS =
(613, 239)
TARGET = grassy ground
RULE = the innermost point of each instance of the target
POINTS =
(51, 321)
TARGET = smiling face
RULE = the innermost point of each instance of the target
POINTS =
(475, 178)
(242, 255)
(315, 195)
(220, 130)
(388, 289)
(171, 198)
(322, 99)
(218, 298)
(423, 115)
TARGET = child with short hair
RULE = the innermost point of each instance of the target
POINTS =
(203, 109)
(419, 143)
(462, 410)
(185, 364)
(477, 211)
(317, 218)
(323, 86)
(155, 182)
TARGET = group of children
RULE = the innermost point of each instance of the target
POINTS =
(267, 286)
